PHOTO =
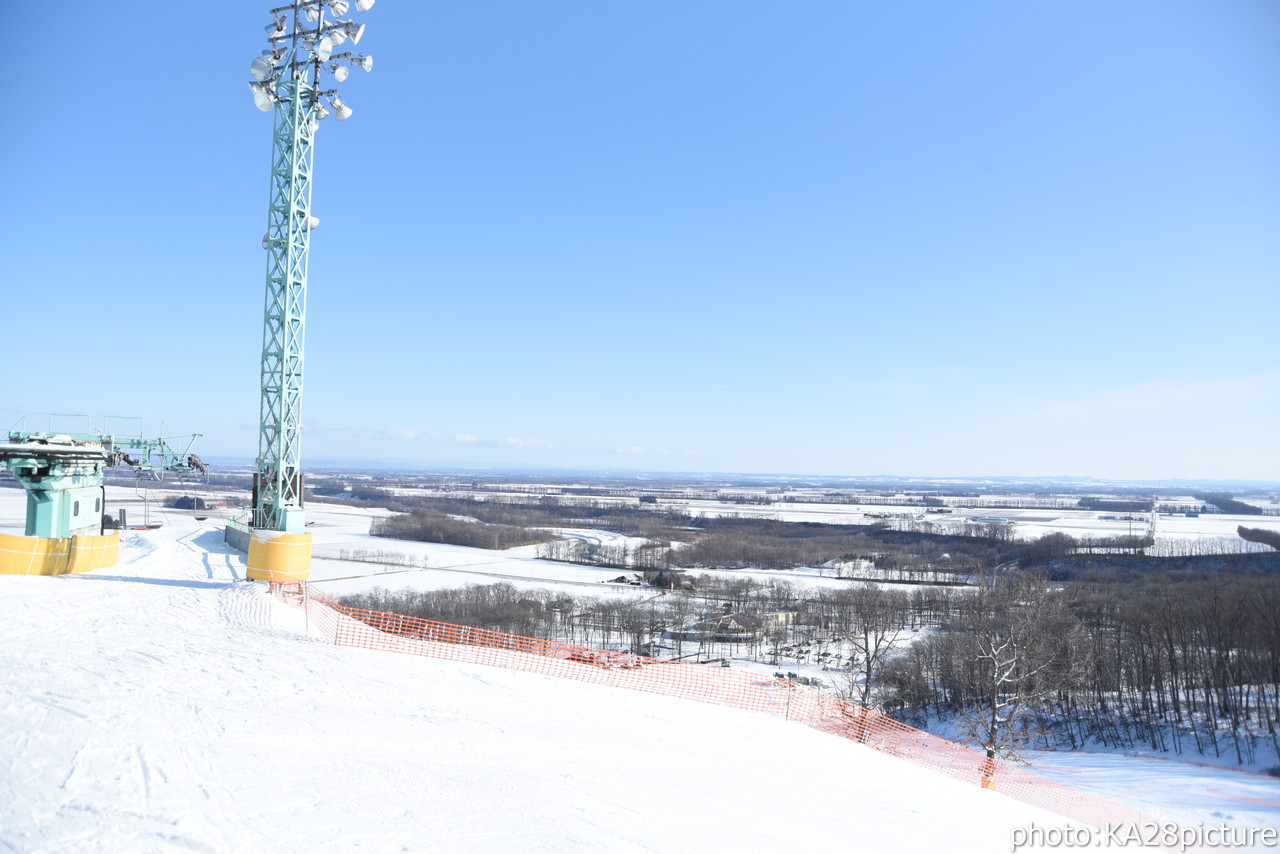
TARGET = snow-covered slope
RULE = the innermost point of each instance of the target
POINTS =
(165, 705)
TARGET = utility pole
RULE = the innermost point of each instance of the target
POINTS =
(287, 82)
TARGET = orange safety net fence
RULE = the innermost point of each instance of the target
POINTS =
(756, 692)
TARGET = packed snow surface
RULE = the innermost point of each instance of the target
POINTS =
(167, 705)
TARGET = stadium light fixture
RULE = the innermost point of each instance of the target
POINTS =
(262, 68)
(263, 97)
(348, 30)
(301, 47)
(341, 111)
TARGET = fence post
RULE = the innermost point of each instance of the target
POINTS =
(988, 773)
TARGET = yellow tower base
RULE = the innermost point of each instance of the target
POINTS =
(279, 557)
(57, 555)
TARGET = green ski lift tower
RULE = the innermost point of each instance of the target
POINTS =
(290, 81)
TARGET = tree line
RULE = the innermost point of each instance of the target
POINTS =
(1227, 504)
(1182, 662)
(426, 524)
(1260, 535)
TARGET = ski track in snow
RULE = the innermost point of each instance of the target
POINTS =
(166, 705)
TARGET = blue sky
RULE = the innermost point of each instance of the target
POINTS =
(828, 236)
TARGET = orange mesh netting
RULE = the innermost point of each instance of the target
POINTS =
(815, 708)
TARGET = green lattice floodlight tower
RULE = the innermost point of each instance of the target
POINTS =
(287, 81)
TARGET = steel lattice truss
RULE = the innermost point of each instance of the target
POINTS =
(279, 483)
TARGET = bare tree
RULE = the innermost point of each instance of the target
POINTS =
(1020, 632)
(872, 620)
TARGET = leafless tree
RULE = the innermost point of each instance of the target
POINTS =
(1020, 632)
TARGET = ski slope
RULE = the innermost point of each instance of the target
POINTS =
(166, 705)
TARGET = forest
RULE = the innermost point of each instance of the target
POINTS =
(1178, 662)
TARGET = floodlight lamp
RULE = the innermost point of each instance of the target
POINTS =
(265, 243)
(337, 35)
(341, 111)
(354, 30)
(262, 68)
(263, 97)
(312, 13)
(364, 5)
(321, 112)
(276, 28)
(312, 222)
(324, 48)
(339, 7)
(340, 72)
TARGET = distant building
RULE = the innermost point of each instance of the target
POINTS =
(856, 568)
(725, 628)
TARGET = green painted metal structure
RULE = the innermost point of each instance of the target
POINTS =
(277, 503)
(288, 83)
(62, 474)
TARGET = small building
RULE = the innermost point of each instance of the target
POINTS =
(724, 628)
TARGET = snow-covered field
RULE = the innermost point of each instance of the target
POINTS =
(1026, 523)
(166, 705)
(1173, 533)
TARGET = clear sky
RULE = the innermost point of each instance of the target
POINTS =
(822, 236)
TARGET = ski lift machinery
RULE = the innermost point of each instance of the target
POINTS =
(155, 460)
(63, 472)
